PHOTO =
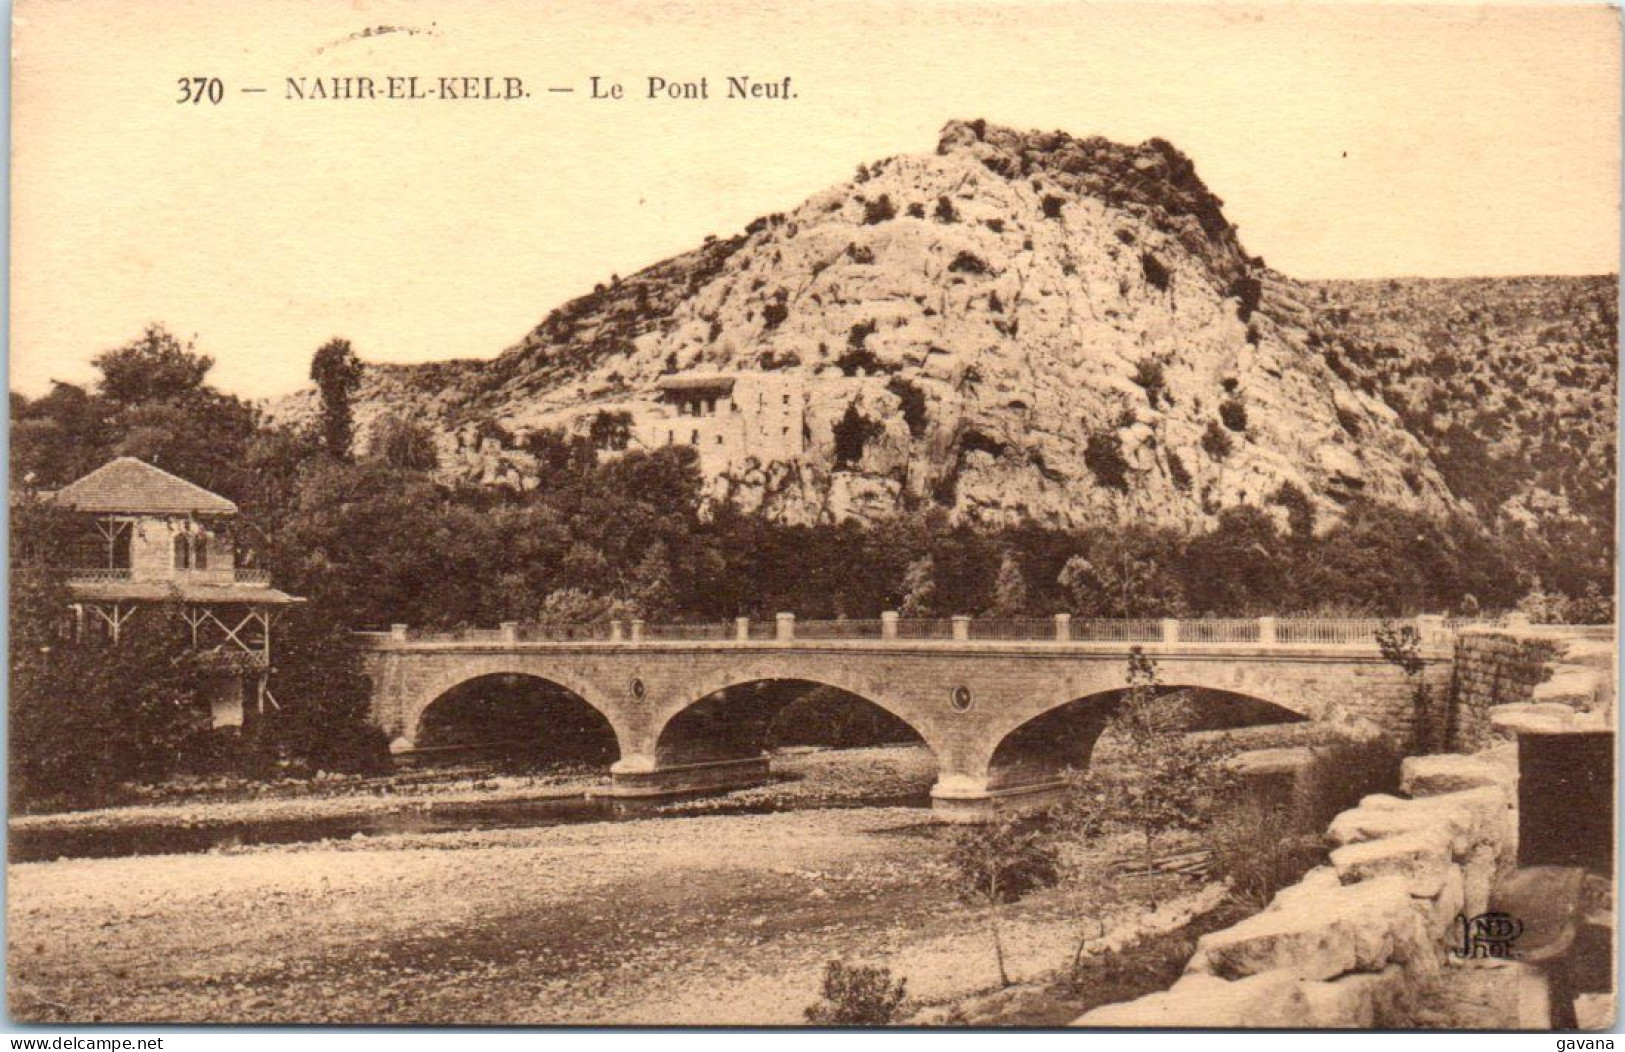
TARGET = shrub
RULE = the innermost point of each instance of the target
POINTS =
(858, 995)
(404, 443)
(861, 359)
(945, 211)
(1234, 414)
(1104, 457)
(860, 253)
(858, 336)
(1052, 206)
(916, 210)
(1178, 472)
(1215, 442)
(913, 404)
(1300, 513)
(968, 263)
(1155, 273)
(1260, 849)
(879, 210)
(852, 433)
(1345, 771)
(1148, 373)
(773, 314)
(1000, 862)
(1248, 290)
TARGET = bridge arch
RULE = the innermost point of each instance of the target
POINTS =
(516, 718)
(446, 682)
(1065, 736)
(732, 716)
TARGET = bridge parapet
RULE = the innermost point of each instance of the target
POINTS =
(1434, 632)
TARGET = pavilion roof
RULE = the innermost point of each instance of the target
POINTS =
(134, 486)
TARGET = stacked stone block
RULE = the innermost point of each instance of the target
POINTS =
(1350, 945)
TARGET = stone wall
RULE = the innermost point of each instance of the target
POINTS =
(1364, 941)
(1356, 941)
(1492, 669)
(1533, 679)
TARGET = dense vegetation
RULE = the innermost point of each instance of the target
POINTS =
(1511, 385)
(378, 540)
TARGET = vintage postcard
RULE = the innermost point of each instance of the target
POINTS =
(878, 513)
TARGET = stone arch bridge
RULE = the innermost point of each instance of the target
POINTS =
(1005, 707)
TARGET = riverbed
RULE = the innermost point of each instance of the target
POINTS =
(702, 918)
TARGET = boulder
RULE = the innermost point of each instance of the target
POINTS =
(1270, 1000)
(1352, 1002)
(1447, 905)
(1307, 893)
(1570, 686)
(1513, 720)
(1471, 816)
(1422, 857)
(1264, 762)
(1353, 927)
(1447, 773)
(1478, 876)
(1591, 653)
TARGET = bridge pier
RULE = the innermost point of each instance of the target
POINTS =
(642, 777)
(966, 801)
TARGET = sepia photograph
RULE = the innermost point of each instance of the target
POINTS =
(932, 515)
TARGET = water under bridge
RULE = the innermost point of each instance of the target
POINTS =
(1005, 706)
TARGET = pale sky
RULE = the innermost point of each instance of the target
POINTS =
(1346, 142)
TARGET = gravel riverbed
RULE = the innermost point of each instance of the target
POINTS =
(704, 919)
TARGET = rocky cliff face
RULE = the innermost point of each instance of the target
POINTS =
(1016, 326)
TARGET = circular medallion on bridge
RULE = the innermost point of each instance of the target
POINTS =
(638, 689)
(959, 698)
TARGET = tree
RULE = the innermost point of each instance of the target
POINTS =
(1173, 783)
(1127, 572)
(87, 717)
(322, 698)
(997, 863)
(337, 373)
(1010, 590)
(154, 367)
(1238, 568)
(404, 443)
(919, 588)
(853, 432)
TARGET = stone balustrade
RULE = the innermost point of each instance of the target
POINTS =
(785, 627)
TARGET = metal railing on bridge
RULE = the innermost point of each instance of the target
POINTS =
(890, 627)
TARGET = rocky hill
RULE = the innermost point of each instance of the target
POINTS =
(1015, 326)
(1511, 384)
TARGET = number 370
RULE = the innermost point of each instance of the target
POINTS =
(198, 90)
